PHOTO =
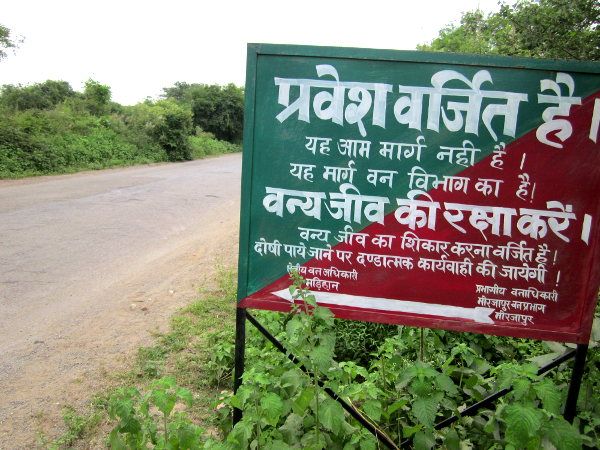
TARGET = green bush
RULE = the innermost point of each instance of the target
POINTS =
(150, 420)
(18, 151)
(48, 128)
(205, 144)
(358, 341)
(415, 379)
(172, 129)
(44, 95)
(61, 140)
(164, 123)
(216, 109)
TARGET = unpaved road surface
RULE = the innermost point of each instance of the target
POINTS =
(90, 265)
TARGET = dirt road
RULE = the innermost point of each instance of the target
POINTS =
(90, 264)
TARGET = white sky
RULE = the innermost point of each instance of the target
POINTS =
(139, 47)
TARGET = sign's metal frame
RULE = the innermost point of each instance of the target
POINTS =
(254, 50)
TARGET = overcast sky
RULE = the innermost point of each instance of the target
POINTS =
(139, 47)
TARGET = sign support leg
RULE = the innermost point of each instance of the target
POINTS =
(379, 434)
(239, 356)
(575, 384)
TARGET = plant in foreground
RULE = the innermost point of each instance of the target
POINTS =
(150, 421)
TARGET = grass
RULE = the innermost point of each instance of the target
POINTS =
(183, 353)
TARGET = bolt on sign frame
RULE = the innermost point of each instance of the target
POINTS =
(436, 190)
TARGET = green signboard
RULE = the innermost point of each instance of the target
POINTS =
(425, 189)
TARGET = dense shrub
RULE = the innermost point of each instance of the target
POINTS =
(205, 144)
(164, 123)
(44, 95)
(358, 341)
(60, 140)
(18, 151)
(48, 128)
(172, 129)
(416, 379)
(216, 109)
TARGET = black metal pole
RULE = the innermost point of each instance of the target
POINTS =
(379, 434)
(490, 399)
(575, 384)
(239, 356)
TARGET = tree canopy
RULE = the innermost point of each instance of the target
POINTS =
(216, 109)
(44, 95)
(558, 29)
(7, 41)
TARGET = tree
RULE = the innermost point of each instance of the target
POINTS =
(180, 92)
(7, 42)
(96, 97)
(561, 29)
(166, 122)
(172, 129)
(44, 95)
(216, 109)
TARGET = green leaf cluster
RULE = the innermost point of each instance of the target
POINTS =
(415, 378)
(557, 29)
(7, 42)
(149, 421)
(50, 128)
(216, 109)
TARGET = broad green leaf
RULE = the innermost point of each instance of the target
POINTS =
(313, 441)
(353, 369)
(241, 434)
(481, 366)
(291, 380)
(406, 377)
(549, 395)
(272, 406)
(368, 443)
(321, 357)
(421, 387)
(293, 326)
(522, 422)
(491, 427)
(396, 406)
(184, 435)
(451, 440)
(506, 373)
(409, 431)
(521, 388)
(323, 313)
(186, 396)
(331, 415)
(425, 410)
(302, 402)
(310, 300)
(327, 340)
(424, 440)
(165, 383)
(445, 383)
(276, 444)
(241, 397)
(424, 370)
(562, 434)
(115, 441)
(372, 408)
(292, 428)
(163, 401)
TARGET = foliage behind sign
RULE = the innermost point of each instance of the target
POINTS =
(424, 189)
